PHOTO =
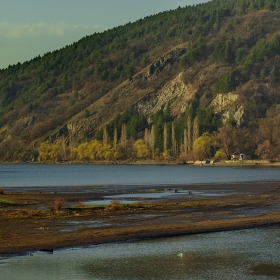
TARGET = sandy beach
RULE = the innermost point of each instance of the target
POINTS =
(46, 219)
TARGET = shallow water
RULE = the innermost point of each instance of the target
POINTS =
(243, 254)
(154, 196)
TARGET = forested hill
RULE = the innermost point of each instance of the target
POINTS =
(180, 83)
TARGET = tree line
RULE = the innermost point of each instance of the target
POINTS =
(184, 138)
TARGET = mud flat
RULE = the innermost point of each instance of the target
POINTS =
(46, 219)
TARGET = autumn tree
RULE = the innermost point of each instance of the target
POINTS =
(202, 146)
(141, 149)
(49, 151)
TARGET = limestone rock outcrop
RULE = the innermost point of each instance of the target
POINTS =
(226, 104)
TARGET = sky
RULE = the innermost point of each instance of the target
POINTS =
(29, 28)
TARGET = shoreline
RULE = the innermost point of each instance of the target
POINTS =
(25, 228)
(142, 234)
(260, 163)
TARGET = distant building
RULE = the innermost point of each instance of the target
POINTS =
(238, 156)
(235, 156)
(244, 156)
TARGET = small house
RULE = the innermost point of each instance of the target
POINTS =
(238, 156)
(235, 156)
(244, 156)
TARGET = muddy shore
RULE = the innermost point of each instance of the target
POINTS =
(33, 219)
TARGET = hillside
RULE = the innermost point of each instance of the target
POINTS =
(199, 72)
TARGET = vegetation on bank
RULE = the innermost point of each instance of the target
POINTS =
(183, 138)
(241, 37)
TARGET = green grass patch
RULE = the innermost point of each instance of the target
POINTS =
(5, 202)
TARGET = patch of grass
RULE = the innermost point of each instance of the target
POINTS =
(5, 202)
(160, 204)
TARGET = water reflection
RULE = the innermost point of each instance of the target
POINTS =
(245, 254)
(266, 270)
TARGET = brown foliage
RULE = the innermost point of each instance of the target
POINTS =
(182, 158)
(58, 204)
(115, 204)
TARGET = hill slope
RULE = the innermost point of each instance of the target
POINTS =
(221, 53)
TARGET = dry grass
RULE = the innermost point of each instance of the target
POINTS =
(81, 204)
(27, 213)
(142, 201)
(160, 204)
(58, 204)
(115, 205)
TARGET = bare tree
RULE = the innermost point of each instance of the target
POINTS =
(189, 135)
(115, 137)
(152, 140)
(124, 137)
(105, 136)
(185, 141)
(165, 134)
(195, 129)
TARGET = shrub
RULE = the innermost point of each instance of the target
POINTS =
(1, 190)
(115, 204)
(58, 204)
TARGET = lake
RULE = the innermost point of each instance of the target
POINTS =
(40, 175)
(244, 254)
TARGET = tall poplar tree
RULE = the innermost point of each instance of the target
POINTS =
(165, 135)
(189, 138)
(105, 136)
(195, 129)
(124, 137)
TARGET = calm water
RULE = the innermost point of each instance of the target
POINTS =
(14, 175)
(244, 254)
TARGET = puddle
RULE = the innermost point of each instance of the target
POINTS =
(74, 225)
(152, 195)
(248, 212)
(130, 198)
(107, 202)
(171, 193)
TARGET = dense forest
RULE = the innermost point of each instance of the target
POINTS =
(40, 100)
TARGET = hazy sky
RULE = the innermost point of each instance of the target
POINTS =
(32, 27)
